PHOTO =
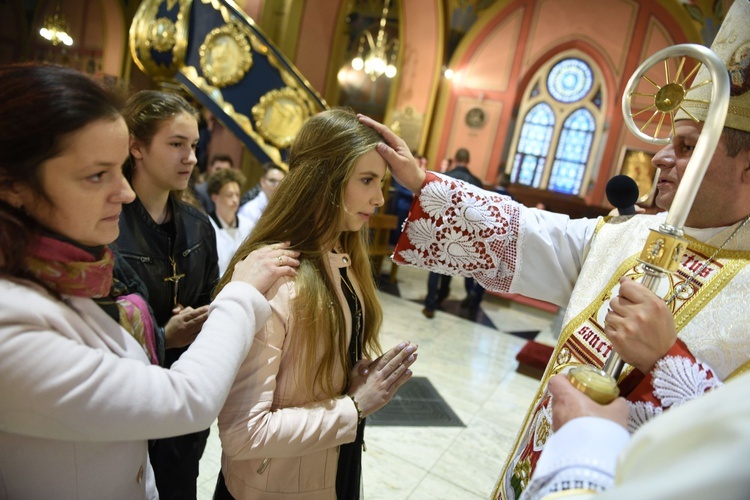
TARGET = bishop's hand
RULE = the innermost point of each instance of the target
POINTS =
(398, 156)
(639, 325)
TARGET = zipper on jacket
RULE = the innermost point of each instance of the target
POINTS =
(264, 465)
(141, 258)
(185, 253)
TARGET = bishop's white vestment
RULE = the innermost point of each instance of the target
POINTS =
(455, 228)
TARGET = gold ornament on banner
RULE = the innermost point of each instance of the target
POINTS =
(279, 115)
(225, 56)
(163, 35)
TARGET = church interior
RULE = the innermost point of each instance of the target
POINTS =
(532, 88)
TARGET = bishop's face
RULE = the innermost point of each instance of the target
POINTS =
(717, 202)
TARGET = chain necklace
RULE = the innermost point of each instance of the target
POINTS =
(357, 326)
(685, 285)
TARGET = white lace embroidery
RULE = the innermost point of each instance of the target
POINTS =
(465, 229)
(640, 413)
(676, 380)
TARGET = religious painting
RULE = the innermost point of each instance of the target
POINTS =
(636, 164)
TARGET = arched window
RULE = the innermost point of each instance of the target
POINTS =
(573, 151)
(533, 146)
(561, 112)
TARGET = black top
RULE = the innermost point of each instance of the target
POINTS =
(461, 172)
(349, 472)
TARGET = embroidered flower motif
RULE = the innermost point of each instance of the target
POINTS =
(472, 215)
(411, 256)
(640, 413)
(677, 380)
(458, 249)
(422, 233)
(434, 198)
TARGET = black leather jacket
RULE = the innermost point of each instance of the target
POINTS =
(462, 172)
(150, 251)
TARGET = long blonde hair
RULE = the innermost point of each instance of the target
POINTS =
(307, 210)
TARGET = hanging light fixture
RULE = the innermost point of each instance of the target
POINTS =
(55, 28)
(380, 58)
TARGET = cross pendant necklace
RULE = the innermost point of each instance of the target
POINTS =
(175, 279)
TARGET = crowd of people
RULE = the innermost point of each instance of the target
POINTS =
(135, 310)
(120, 344)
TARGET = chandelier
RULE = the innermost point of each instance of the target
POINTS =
(55, 28)
(381, 52)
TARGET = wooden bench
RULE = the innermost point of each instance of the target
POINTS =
(381, 226)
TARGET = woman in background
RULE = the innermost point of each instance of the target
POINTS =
(80, 388)
(231, 228)
(293, 424)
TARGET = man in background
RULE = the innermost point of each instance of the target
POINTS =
(218, 162)
(272, 177)
(439, 285)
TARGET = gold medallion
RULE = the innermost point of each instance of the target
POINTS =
(279, 115)
(162, 35)
(225, 56)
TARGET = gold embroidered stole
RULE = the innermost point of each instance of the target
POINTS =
(582, 340)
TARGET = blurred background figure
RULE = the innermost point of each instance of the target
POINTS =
(503, 181)
(272, 177)
(231, 228)
(218, 162)
(446, 165)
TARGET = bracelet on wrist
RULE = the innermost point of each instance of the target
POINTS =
(360, 417)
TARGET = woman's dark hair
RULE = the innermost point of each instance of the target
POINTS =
(40, 105)
(146, 110)
(144, 113)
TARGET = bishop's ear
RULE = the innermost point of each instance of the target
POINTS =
(744, 158)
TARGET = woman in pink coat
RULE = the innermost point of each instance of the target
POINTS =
(293, 424)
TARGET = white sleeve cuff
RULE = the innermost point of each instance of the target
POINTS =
(581, 454)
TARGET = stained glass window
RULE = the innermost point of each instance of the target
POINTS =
(570, 80)
(563, 103)
(533, 145)
(573, 152)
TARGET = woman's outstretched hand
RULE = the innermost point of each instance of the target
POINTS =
(184, 325)
(382, 377)
(396, 153)
(262, 267)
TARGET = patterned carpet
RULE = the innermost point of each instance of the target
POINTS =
(416, 404)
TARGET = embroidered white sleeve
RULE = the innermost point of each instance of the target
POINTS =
(677, 380)
(466, 231)
(640, 413)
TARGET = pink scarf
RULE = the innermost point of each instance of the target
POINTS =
(70, 270)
